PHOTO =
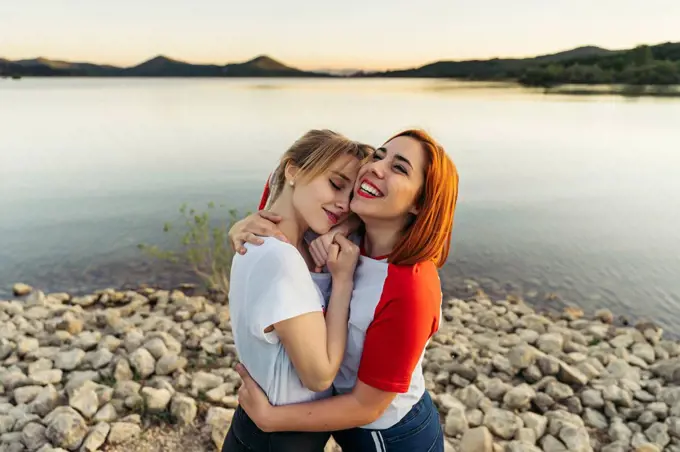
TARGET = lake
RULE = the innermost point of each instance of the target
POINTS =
(575, 199)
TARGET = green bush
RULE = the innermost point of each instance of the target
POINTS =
(203, 245)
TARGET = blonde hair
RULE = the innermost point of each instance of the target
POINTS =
(313, 153)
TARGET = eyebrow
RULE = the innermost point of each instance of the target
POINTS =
(338, 173)
(403, 159)
(397, 157)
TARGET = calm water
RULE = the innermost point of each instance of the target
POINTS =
(574, 195)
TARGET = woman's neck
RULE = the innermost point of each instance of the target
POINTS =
(291, 225)
(381, 238)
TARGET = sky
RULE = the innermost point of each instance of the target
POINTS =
(313, 34)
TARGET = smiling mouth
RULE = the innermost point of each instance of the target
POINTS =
(333, 218)
(368, 190)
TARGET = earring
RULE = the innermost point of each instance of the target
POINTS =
(291, 183)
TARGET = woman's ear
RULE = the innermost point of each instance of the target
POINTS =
(290, 173)
(415, 210)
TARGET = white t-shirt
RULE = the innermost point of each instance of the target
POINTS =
(269, 284)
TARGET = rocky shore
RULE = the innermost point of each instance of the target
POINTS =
(153, 370)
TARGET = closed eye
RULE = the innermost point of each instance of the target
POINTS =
(335, 186)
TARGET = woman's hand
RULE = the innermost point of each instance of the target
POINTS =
(253, 400)
(318, 248)
(342, 259)
(248, 230)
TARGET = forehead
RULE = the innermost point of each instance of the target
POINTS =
(346, 164)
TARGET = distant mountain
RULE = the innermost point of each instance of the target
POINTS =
(262, 65)
(495, 68)
(162, 66)
(579, 52)
(643, 65)
(159, 66)
(44, 66)
(652, 65)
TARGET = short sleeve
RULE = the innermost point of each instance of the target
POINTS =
(281, 289)
(405, 319)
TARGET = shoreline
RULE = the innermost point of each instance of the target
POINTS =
(110, 369)
(145, 273)
(580, 89)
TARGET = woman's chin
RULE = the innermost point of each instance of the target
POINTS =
(320, 229)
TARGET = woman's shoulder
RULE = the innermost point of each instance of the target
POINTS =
(419, 274)
(272, 254)
(418, 283)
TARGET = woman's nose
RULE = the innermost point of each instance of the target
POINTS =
(378, 168)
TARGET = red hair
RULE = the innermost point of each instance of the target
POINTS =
(428, 236)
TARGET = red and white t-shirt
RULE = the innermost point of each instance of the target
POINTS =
(394, 312)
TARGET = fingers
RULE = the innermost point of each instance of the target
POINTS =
(319, 252)
(316, 256)
(241, 370)
(333, 252)
(265, 228)
(245, 237)
(346, 245)
(343, 241)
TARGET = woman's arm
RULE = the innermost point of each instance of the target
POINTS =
(362, 406)
(315, 346)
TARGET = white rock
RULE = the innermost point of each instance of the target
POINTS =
(183, 408)
(551, 343)
(45, 377)
(142, 361)
(156, 347)
(21, 289)
(169, 363)
(456, 423)
(519, 397)
(658, 434)
(575, 438)
(66, 429)
(203, 381)
(107, 413)
(45, 401)
(123, 431)
(33, 436)
(595, 419)
(26, 394)
(69, 360)
(551, 444)
(536, 422)
(502, 423)
(477, 440)
(156, 399)
(96, 437)
(99, 358)
(85, 400)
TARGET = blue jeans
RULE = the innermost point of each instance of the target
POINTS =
(245, 436)
(419, 431)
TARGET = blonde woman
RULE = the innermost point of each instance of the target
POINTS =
(284, 333)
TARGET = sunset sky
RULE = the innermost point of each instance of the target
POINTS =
(310, 34)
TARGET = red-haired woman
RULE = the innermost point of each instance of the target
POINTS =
(405, 198)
